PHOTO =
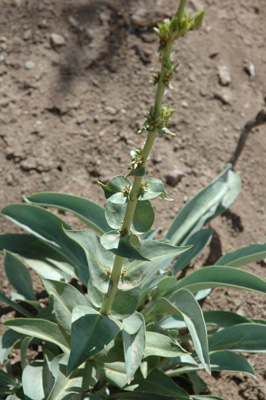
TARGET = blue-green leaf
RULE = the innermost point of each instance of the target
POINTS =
(241, 338)
(134, 343)
(114, 213)
(39, 328)
(115, 185)
(32, 381)
(47, 227)
(153, 188)
(91, 331)
(14, 305)
(210, 277)
(184, 304)
(243, 256)
(224, 360)
(159, 383)
(7, 342)
(199, 241)
(65, 298)
(207, 204)
(143, 216)
(161, 345)
(88, 211)
(18, 275)
(224, 318)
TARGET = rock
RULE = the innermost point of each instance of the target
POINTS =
(57, 40)
(174, 177)
(249, 68)
(184, 104)
(148, 38)
(110, 110)
(224, 95)
(224, 75)
(156, 158)
(27, 34)
(147, 18)
(29, 64)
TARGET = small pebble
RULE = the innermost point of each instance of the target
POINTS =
(57, 40)
(173, 177)
(224, 75)
(29, 64)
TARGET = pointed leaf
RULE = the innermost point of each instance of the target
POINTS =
(110, 240)
(14, 305)
(210, 277)
(162, 346)
(8, 381)
(65, 298)
(32, 381)
(91, 331)
(241, 338)
(199, 241)
(138, 271)
(116, 373)
(231, 362)
(134, 343)
(153, 188)
(18, 275)
(100, 260)
(88, 211)
(47, 227)
(7, 342)
(159, 383)
(184, 304)
(224, 318)
(115, 185)
(243, 256)
(39, 328)
(206, 397)
(207, 204)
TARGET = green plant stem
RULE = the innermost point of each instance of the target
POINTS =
(181, 9)
(131, 205)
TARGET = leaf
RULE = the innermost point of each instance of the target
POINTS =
(14, 305)
(8, 384)
(138, 271)
(133, 342)
(206, 397)
(162, 346)
(91, 331)
(18, 275)
(115, 185)
(153, 188)
(228, 361)
(116, 374)
(7, 341)
(23, 350)
(87, 211)
(210, 277)
(110, 240)
(159, 383)
(185, 305)
(99, 259)
(243, 256)
(47, 227)
(65, 298)
(32, 381)
(137, 172)
(46, 261)
(125, 302)
(114, 213)
(143, 216)
(142, 396)
(112, 352)
(224, 318)
(65, 388)
(241, 338)
(39, 328)
(206, 205)
(199, 240)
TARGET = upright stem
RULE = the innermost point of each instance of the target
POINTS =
(131, 205)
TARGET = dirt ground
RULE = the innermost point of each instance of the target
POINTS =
(74, 90)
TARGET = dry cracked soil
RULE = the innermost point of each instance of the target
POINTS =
(74, 90)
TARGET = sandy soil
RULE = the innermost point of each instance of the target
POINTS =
(75, 89)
